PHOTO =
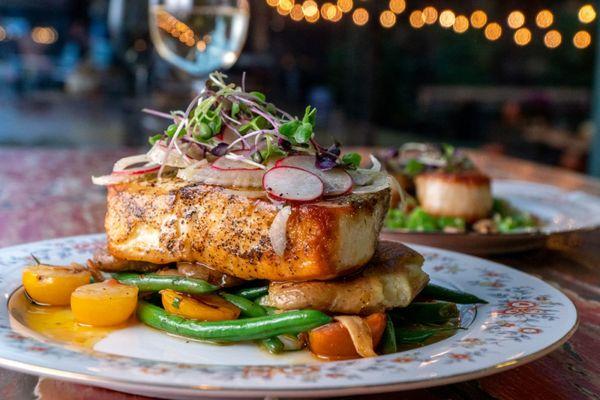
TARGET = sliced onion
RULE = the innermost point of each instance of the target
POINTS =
(113, 179)
(213, 176)
(226, 164)
(376, 167)
(160, 154)
(380, 182)
(278, 229)
(360, 333)
(145, 169)
(126, 162)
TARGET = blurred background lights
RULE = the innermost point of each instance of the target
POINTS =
(587, 14)
(416, 19)
(360, 16)
(327, 11)
(296, 13)
(493, 31)
(430, 15)
(544, 19)
(447, 18)
(387, 19)
(2, 33)
(283, 11)
(286, 5)
(552, 39)
(582, 39)
(478, 19)
(310, 8)
(522, 36)
(273, 3)
(461, 24)
(397, 6)
(515, 19)
(44, 35)
(345, 5)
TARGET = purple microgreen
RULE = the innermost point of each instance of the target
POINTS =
(325, 161)
(220, 149)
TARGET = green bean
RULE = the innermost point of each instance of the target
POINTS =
(253, 292)
(426, 312)
(250, 309)
(273, 345)
(155, 283)
(456, 296)
(388, 341)
(234, 330)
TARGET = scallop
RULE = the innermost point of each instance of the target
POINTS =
(465, 194)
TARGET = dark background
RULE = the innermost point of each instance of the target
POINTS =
(371, 85)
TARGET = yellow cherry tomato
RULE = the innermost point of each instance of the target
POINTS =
(208, 307)
(51, 285)
(104, 304)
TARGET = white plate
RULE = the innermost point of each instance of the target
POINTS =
(525, 319)
(561, 212)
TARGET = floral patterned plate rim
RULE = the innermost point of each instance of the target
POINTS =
(524, 320)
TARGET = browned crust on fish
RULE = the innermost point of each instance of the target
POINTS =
(171, 220)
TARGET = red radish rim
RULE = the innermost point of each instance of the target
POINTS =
(232, 169)
(137, 171)
(276, 197)
(349, 184)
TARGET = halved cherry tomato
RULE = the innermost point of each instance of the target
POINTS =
(332, 341)
(104, 304)
(208, 307)
(52, 285)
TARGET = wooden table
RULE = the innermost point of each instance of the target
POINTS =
(47, 193)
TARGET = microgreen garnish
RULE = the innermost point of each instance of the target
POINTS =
(414, 158)
(225, 118)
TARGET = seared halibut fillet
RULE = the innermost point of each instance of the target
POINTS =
(172, 220)
(391, 279)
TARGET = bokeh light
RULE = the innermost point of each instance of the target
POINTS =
(582, 39)
(552, 39)
(493, 31)
(587, 14)
(44, 35)
(516, 19)
(430, 15)
(522, 36)
(273, 3)
(310, 8)
(447, 18)
(328, 11)
(544, 19)
(345, 5)
(461, 24)
(478, 19)
(416, 19)
(387, 19)
(296, 13)
(2, 33)
(397, 6)
(360, 16)
(286, 5)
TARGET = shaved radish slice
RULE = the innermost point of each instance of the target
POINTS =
(292, 184)
(336, 181)
(212, 176)
(226, 164)
(160, 154)
(381, 182)
(146, 169)
(278, 229)
(126, 162)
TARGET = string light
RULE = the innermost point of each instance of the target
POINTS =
(296, 13)
(430, 15)
(447, 18)
(397, 6)
(516, 19)
(587, 14)
(544, 19)
(273, 3)
(2, 33)
(478, 19)
(337, 14)
(522, 36)
(493, 31)
(310, 8)
(461, 24)
(552, 39)
(43, 35)
(312, 19)
(360, 16)
(167, 23)
(416, 19)
(327, 11)
(282, 11)
(387, 19)
(582, 39)
(286, 5)
(345, 5)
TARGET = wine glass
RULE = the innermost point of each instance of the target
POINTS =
(199, 36)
